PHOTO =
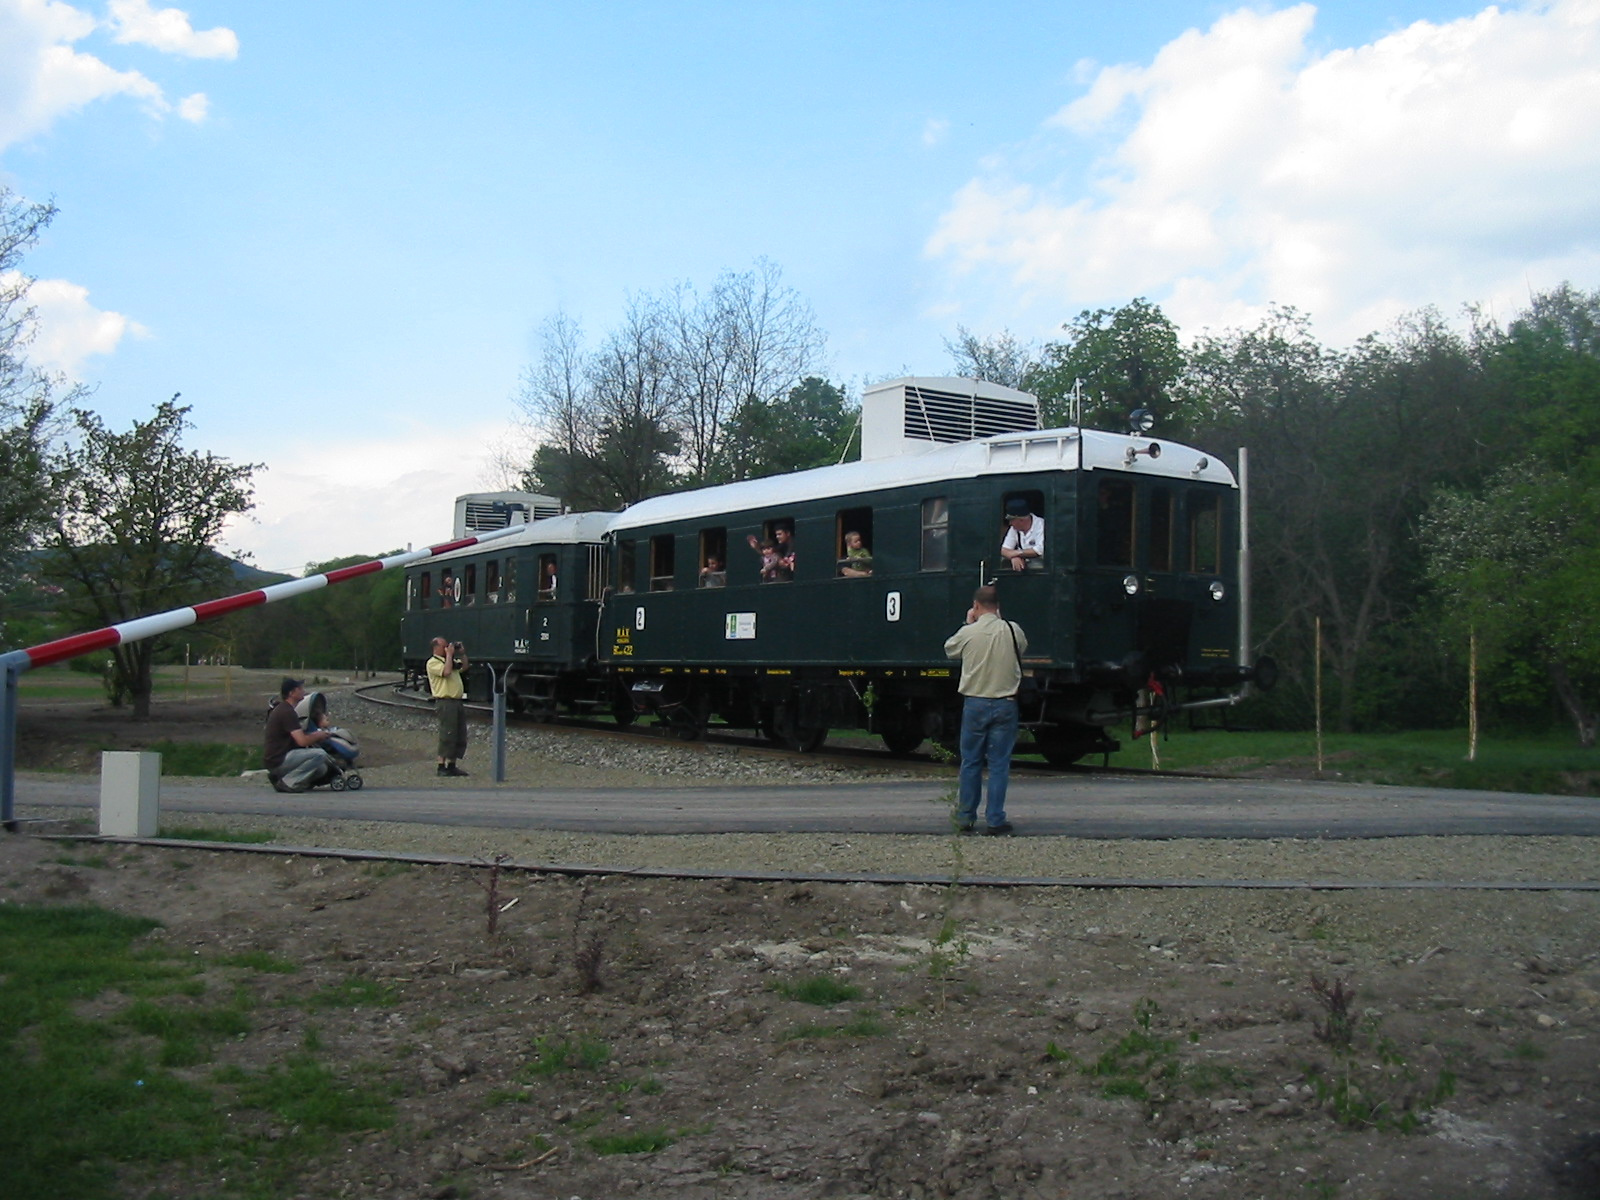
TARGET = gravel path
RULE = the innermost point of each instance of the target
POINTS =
(539, 757)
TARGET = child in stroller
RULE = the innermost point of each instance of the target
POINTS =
(341, 746)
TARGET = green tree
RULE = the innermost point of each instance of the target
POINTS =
(999, 358)
(136, 531)
(1126, 358)
(27, 402)
(1518, 566)
(813, 426)
(1346, 448)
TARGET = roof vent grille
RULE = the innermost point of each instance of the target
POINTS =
(911, 416)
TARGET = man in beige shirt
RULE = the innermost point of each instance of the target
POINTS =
(445, 669)
(990, 649)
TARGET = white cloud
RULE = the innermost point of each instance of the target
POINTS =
(320, 500)
(43, 77)
(1440, 163)
(934, 131)
(194, 107)
(68, 329)
(168, 29)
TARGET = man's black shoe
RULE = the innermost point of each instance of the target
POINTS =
(967, 828)
(441, 770)
(454, 770)
(998, 830)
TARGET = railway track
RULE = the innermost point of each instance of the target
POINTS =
(389, 695)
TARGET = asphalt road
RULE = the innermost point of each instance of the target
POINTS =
(1075, 806)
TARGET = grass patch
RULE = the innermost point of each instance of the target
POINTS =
(643, 1141)
(311, 1099)
(864, 1026)
(354, 992)
(207, 758)
(1551, 763)
(821, 990)
(259, 960)
(97, 1106)
(202, 833)
(552, 1055)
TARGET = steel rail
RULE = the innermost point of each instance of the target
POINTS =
(1086, 883)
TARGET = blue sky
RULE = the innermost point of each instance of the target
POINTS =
(336, 227)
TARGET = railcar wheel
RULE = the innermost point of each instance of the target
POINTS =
(901, 740)
(788, 731)
(1064, 749)
(622, 712)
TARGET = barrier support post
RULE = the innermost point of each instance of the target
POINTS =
(8, 740)
(498, 734)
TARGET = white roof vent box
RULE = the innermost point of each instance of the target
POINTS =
(921, 413)
(479, 512)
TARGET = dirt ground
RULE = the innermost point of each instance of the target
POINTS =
(1026, 1042)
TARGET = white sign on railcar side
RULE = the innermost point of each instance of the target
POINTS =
(741, 627)
(638, 617)
(891, 607)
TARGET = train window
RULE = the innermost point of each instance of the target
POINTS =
(661, 560)
(469, 588)
(597, 572)
(1205, 533)
(936, 534)
(776, 548)
(625, 565)
(852, 531)
(411, 593)
(447, 588)
(1160, 529)
(713, 558)
(1022, 528)
(491, 581)
(426, 589)
(1114, 529)
(547, 577)
(511, 581)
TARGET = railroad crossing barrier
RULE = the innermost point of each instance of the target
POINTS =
(14, 663)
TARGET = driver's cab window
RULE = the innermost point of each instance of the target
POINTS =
(1114, 523)
(1022, 543)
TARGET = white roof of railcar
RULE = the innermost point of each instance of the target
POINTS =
(1004, 454)
(570, 529)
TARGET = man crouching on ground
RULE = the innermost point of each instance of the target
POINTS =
(444, 680)
(293, 757)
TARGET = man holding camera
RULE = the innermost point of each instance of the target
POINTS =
(445, 668)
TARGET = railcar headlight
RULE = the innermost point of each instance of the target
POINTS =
(1130, 584)
(1217, 590)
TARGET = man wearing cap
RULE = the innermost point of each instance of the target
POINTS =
(444, 681)
(293, 757)
(1024, 540)
(990, 649)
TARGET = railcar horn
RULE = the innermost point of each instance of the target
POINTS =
(1133, 452)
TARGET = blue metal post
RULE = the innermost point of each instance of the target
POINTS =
(498, 683)
(14, 664)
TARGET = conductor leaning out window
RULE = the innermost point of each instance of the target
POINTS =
(1023, 544)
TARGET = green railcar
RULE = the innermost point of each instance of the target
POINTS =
(745, 605)
(526, 607)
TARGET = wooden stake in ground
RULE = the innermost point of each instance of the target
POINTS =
(1472, 696)
(1317, 673)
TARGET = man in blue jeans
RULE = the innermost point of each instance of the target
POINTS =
(990, 649)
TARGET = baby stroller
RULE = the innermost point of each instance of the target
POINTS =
(341, 746)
